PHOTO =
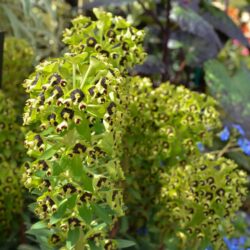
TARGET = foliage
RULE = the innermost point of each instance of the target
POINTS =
(11, 152)
(18, 60)
(92, 124)
(39, 22)
(161, 146)
(227, 79)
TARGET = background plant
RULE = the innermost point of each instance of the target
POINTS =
(40, 23)
(18, 61)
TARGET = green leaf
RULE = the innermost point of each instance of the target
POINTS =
(76, 167)
(193, 23)
(84, 130)
(49, 153)
(39, 225)
(232, 91)
(26, 6)
(125, 243)
(107, 143)
(59, 213)
(43, 232)
(65, 204)
(102, 213)
(78, 59)
(86, 213)
(73, 237)
(222, 22)
(57, 168)
(71, 202)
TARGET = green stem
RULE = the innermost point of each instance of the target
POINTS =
(226, 148)
(80, 244)
(94, 105)
(74, 76)
(230, 147)
(86, 76)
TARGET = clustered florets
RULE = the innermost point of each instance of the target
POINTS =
(202, 198)
(77, 103)
(183, 188)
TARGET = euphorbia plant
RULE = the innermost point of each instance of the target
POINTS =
(92, 122)
(187, 197)
(77, 103)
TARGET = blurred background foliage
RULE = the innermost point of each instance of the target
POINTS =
(39, 22)
(18, 63)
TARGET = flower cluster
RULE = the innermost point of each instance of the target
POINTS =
(172, 120)
(166, 129)
(76, 105)
(202, 198)
(11, 152)
(115, 40)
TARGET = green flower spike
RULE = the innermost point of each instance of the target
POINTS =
(76, 105)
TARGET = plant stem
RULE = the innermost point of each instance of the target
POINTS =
(86, 76)
(74, 76)
(229, 147)
(226, 148)
(237, 149)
